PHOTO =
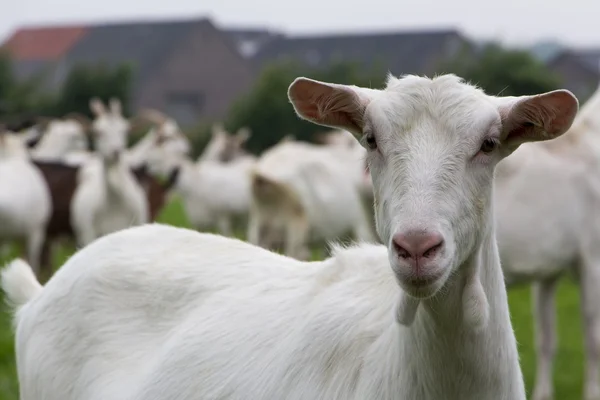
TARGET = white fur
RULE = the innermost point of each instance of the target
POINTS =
(25, 203)
(553, 188)
(223, 146)
(174, 142)
(157, 312)
(323, 181)
(19, 283)
(107, 197)
(61, 139)
(213, 192)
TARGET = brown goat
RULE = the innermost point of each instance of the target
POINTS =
(62, 181)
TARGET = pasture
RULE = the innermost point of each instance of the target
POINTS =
(568, 363)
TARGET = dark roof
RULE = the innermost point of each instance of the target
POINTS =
(42, 43)
(144, 44)
(251, 33)
(591, 58)
(250, 40)
(577, 57)
(26, 69)
(400, 52)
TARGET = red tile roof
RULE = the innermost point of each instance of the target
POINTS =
(43, 43)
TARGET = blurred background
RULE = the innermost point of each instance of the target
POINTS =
(231, 62)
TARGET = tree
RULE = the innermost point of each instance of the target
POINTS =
(15, 97)
(267, 111)
(503, 71)
(85, 82)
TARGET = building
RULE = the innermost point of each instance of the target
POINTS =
(408, 52)
(578, 69)
(189, 69)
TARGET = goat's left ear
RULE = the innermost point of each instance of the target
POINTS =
(536, 118)
(242, 135)
(115, 106)
(331, 104)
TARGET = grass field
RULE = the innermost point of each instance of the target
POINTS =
(568, 365)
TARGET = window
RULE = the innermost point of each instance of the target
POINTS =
(312, 57)
(248, 48)
(185, 107)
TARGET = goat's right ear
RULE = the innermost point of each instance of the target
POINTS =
(536, 118)
(217, 129)
(85, 122)
(290, 137)
(42, 123)
(242, 135)
(331, 104)
(97, 107)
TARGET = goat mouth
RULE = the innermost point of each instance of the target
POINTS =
(422, 282)
(422, 287)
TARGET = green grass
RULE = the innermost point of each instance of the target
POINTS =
(568, 364)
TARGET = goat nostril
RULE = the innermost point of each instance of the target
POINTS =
(417, 244)
(432, 251)
(402, 252)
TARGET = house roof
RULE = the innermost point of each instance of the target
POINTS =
(144, 44)
(586, 64)
(26, 69)
(400, 52)
(591, 57)
(249, 40)
(43, 43)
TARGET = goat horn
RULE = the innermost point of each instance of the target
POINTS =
(82, 119)
(153, 116)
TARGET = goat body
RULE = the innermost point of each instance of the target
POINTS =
(179, 320)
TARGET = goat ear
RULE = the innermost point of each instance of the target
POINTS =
(97, 107)
(152, 116)
(242, 135)
(42, 123)
(217, 129)
(82, 119)
(116, 107)
(290, 137)
(322, 137)
(137, 122)
(331, 104)
(536, 118)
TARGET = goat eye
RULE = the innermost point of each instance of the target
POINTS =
(371, 142)
(488, 146)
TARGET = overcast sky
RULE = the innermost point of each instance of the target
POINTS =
(573, 22)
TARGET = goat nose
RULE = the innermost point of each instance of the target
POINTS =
(417, 244)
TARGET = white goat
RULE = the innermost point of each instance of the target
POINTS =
(25, 204)
(158, 312)
(213, 192)
(165, 134)
(108, 197)
(309, 190)
(224, 147)
(352, 154)
(554, 187)
(62, 139)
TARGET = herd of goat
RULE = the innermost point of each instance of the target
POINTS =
(56, 187)
(463, 207)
